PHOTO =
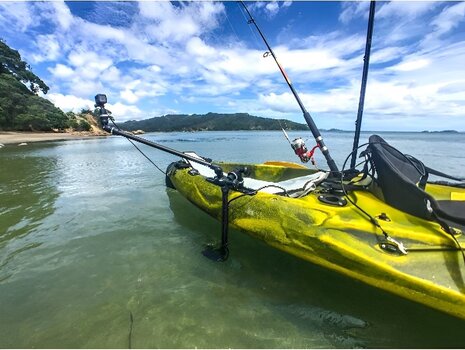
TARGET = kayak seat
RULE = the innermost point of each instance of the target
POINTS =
(452, 211)
(291, 185)
(402, 180)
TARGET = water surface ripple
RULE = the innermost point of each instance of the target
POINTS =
(89, 235)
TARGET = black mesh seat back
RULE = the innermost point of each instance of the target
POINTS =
(451, 211)
(398, 179)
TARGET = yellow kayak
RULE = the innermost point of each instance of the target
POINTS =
(348, 228)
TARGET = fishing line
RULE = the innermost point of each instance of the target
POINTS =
(257, 42)
(232, 28)
(147, 157)
(308, 118)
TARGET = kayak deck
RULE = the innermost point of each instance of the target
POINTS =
(341, 237)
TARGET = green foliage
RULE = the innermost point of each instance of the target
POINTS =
(84, 125)
(11, 63)
(79, 125)
(211, 121)
(73, 123)
(20, 108)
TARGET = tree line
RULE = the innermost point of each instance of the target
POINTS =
(20, 106)
(211, 122)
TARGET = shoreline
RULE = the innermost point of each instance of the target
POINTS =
(17, 137)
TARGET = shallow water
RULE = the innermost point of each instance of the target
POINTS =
(89, 235)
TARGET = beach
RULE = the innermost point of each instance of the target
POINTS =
(15, 137)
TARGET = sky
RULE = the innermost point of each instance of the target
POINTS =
(157, 58)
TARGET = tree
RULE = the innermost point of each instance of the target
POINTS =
(12, 97)
(21, 108)
(11, 62)
(84, 125)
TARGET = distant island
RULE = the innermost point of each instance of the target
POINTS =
(441, 132)
(210, 122)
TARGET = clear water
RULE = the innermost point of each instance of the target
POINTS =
(89, 236)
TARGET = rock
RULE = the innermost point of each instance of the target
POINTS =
(23, 144)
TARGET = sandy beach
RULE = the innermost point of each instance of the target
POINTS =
(14, 137)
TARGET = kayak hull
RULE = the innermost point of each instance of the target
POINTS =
(340, 237)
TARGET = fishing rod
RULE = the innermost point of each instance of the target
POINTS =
(366, 63)
(308, 118)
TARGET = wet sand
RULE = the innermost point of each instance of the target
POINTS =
(14, 137)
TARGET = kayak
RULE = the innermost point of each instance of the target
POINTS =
(386, 225)
(350, 227)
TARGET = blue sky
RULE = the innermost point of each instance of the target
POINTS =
(155, 58)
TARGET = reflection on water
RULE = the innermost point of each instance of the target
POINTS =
(27, 196)
(89, 235)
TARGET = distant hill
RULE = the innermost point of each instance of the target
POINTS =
(210, 122)
(441, 132)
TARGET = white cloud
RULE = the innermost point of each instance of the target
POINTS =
(309, 60)
(124, 112)
(405, 9)
(61, 71)
(387, 54)
(70, 102)
(335, 101)
(48, 48)
(352, 10)
(184, 53)
(272, 8)
(111, 75)
(449, 18)
(198, 48)
(16, 13)
(268, 8)
(166, 22)
(89, 60)
(411, 65)
(129, 96)
(62, 15)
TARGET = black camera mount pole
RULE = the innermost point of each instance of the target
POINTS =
(104, 116)
(232, 181)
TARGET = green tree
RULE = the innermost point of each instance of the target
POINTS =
(21, 108)
(11, 62)
(85, 111)
(12, 99)
(84, 125)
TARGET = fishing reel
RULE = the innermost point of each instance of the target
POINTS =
(299, 147)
